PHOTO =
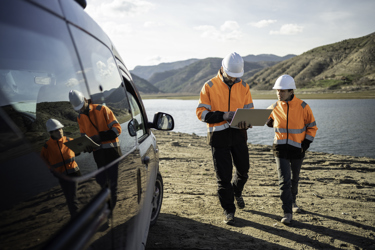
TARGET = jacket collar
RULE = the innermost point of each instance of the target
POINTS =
(291, 101)
(219, 74)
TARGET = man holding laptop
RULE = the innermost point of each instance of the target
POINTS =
(220, 97)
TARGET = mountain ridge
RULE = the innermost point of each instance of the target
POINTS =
(348, 64)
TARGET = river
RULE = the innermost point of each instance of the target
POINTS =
(345, 127)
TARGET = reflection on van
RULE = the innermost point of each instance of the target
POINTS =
(60, 79)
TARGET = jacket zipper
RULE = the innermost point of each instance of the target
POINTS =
(62, 157)
(230, 88)
(287, 129)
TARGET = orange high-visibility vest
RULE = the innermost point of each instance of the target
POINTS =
(99, 119)
(217, 96)
(293, 122)
(59, 157)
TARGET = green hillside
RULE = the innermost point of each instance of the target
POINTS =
(346, 64)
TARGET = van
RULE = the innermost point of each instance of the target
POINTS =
(93, 199)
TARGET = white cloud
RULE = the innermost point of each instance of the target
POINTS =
(72, 82)
(153, 60)
(288, 29)
(229, 26)
(115, 29)
(152, 24)
(130, 7)
(118, 8)
(262, 23)
(230, 30)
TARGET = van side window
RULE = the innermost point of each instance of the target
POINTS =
(137, 113)
(106, 85)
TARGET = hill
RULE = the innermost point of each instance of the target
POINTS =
(266, 58)
(144, 86)
(346, 64)
(191, 78)
(188, 76)
(146, 72)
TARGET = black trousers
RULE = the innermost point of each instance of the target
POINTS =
(109, 177)
(224, 158)
(69, 189)
(288, 172)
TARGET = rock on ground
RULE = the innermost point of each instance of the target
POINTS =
(336, 195)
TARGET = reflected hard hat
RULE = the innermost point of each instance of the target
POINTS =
(285, 82)
(77, 99)
(233, 65)
(53, 124)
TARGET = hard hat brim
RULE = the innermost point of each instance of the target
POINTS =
(55, 128)
(231, 74)
(77, 108)
(282, 88)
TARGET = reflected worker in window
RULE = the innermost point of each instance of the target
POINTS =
(100, 124)
(61, 160)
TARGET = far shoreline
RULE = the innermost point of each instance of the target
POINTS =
(270, 94)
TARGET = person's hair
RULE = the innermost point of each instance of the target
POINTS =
(289, 90)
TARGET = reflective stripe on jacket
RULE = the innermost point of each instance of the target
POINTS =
(99, 119)
(293, 122)
(59, 157)
(216, 95)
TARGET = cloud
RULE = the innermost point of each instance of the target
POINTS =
(288, 29)
(152, 24)
(153, 60)
(230, 30)
(113, 28)
(130, 7)
(118, 8)
(72, 82)
(262, 23)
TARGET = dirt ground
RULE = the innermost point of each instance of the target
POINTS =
(336, 195)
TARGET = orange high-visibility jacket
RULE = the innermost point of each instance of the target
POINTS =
(99, 119)
(293, 122)
(218, 96)
(59, 157)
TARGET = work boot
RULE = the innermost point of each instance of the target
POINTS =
(286, 219)
(240, 202)
(229, 219)
(295, 208)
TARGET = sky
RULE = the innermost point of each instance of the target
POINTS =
(150, 32)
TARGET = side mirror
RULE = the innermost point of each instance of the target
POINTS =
(162, 121)
(132, 127)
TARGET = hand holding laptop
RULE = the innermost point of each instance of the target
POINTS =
(228, 116)
(255, 117)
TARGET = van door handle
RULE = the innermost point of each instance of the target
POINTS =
(146, 160)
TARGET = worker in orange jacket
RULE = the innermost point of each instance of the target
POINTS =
(100, 124)
(220, 97)
(61, 160)
(295, 128)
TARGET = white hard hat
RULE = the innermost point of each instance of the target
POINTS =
(233, 65)
(77, 99)
(53, 124)
(285, 82)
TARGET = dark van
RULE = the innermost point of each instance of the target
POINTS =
(53, 195)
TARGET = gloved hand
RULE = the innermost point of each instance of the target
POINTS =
(228, 116)
(88, 149)
(270, 123)
(96, 138)
(305, 145)
(243, 125)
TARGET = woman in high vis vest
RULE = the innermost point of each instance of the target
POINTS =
(61, 160)
(295, 128)
(220, 97)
